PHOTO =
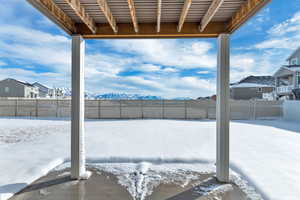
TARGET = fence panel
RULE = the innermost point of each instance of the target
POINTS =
(110, 109)
(131, 109)
(63, 108)
(8, 107)
(174, 109)
(241, 110)
(196, 109)
(265, 109)
(91, 109)
(27, 107)
(46, 108)
(140, 109)
(152, 109)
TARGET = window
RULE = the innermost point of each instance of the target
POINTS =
(294, 61)
(260, 89)
(6, 89)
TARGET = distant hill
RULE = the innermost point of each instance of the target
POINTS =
(124, 96)
(118, 96)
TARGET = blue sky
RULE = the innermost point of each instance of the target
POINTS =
(34, 49)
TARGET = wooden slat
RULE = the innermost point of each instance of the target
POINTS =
(55, 14)
(184, 12)
(108, 15)
(149, 30)
(82, 14)
(212, 10)
(133, 15)
(246, 11)
(158, 15)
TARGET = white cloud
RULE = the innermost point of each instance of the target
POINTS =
(285, 35)
(265, 57)
(50, 79)
(203, 72)
(169, 52)
(149, 68)
(2, 63)
(170, 70)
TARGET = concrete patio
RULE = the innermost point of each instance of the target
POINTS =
(104, 186)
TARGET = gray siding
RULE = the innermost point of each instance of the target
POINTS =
(15, 89)
(249, 93)
(296, 55)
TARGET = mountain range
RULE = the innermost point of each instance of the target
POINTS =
(118, 96)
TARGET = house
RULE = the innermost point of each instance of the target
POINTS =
(252, 87)
(44, 91)
(13, 88)
(287, 78)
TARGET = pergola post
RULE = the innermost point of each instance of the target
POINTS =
(78, 170)
(223, 109)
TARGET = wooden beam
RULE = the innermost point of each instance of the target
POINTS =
(107, 13)
(133, 15)
(82, 14)
(247, 10)
(149, 30)
(212, 10)
(184, 12)
(158, 15)
(55, 14)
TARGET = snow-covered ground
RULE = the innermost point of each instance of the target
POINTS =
(266, 153)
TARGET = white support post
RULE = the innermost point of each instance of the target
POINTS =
(223, 109)
(78, 170)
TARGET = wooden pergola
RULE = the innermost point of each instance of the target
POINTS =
(133, 19)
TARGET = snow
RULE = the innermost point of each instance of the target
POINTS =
(249, 85)
(266, 153)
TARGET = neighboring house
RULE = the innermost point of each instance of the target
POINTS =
(43, 90)
(287, 78)
(14, 88)
(252, 87)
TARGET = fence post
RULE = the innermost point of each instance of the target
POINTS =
(142, 108)
(99, 109)
(120, 109)
(56, 107)
(16, 107)
(163, 109)
(36, 108)
(185, 109)
(254, 110)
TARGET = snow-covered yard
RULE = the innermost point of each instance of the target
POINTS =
(266, 153)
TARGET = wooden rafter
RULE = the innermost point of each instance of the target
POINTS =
(55, 14)
(245, 12)
(212, 10)
(82, 14)
(107, 13)
(184, 12)
(133, 15)
(148, 30)
(158, 15)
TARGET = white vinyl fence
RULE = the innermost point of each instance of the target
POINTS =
(139, 109)
(291, 110)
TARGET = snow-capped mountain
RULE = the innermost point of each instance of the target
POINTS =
(125, 96)
(66, 92)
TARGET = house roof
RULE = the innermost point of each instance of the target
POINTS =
(255, 81)
(249, 85)
(41, 86)
(287, 70)
(149, 18)
(18, 81)
(293, 54)
(263, 80)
